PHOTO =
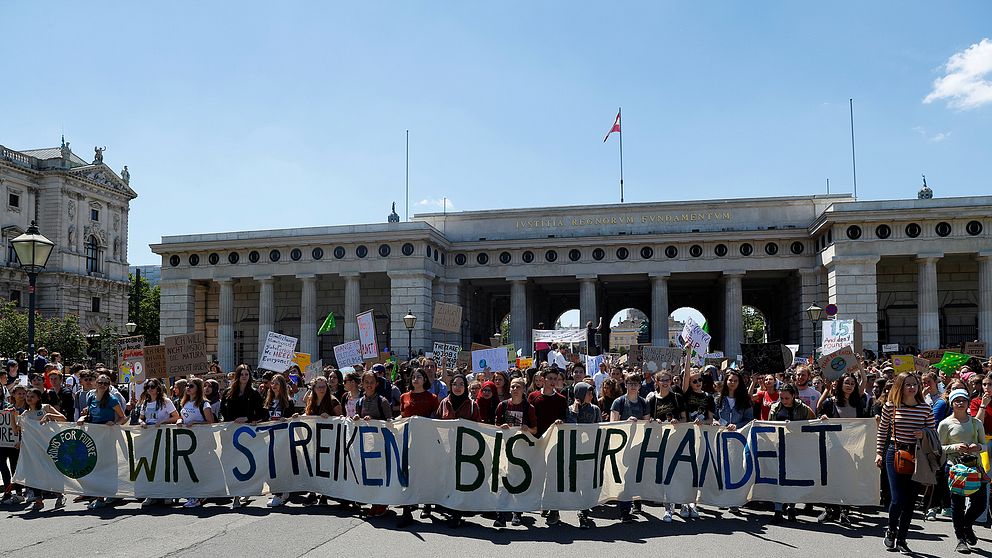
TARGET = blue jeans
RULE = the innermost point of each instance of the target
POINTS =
(903, 490)
(963, 518)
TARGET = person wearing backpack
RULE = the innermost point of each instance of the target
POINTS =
(963, 439)
(194, 409)
(584, 411)
(631, 407)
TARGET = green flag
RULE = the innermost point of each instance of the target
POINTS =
(706, 327)
(951, 361)
(328, 324)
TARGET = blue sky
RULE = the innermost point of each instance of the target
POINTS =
(248, 115)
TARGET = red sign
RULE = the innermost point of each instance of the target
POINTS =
(830, 310)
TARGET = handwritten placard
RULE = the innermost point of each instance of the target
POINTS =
(277, 353)
(155, 361)
(366, 334)
(186, 354)
(447, 317)
(348, 354)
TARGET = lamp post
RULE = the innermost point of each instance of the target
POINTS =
(815, 314)
(409, 321)
(131, 326)
(33, 251)
(750, 334)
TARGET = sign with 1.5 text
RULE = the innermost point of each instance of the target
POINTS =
(838, 334)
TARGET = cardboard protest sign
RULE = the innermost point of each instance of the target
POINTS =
(313, 370)
(461, 464)
(493, 359)
(464, 360)
(934, 355)
(635, 355)
(302, 360)
(890, 348)
(661, 358)
(366, 334)
(447, 350)
(155, 361)
(348, 354)
(838, 334)
(922, 364)
(479, 347)
(837, 363)
(277, 353)
(903, 363)
(694, 334)
(975, 348)
(8, 431)
(764, 358)
(447, 317)
(186, 354)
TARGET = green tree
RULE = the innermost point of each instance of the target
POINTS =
(145, 311)
(752, 319)
(56, 334)
(504, 329)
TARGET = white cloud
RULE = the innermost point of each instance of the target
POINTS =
(940, 136)
(967, 84)
(439, 203)
(920, 130)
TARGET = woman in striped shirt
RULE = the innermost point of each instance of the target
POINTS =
(904, 417)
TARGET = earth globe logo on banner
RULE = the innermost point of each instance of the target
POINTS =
(74, 453)
(838, 364)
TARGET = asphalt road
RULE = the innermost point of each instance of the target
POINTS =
(295, 530)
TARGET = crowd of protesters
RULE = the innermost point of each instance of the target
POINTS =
(949, 413)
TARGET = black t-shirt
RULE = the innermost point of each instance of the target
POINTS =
(666, 408)
(697, 404)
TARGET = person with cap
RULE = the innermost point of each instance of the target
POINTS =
(584, 411)
(963, 439)
(387, 389)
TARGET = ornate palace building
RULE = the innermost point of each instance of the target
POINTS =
(83, 208)
(914, 271)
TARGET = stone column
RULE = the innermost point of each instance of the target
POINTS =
(266, 309)
(352, 304)
(178, 314)
(809, 292)
(659, 310)
(587, 300)
(732, 321)
(852, 286)
(308, 315)
(410, 291)
(518, 313)
(928, 317)
(225, 329)
(985, 296)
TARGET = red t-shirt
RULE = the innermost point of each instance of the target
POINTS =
(548, 409)
(976, 403)
(418, 404)
(766, 402)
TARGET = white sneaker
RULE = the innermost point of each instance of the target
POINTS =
(236, 503)
(693, 513)
(667, 518)
(684, 511)
(192, 503)
(148, 502)
(276, 501)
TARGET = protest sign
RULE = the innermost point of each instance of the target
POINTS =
(447, 317)
(8, 430)
(479, 347)
(837, 363)
(186, 354)
(277, 353)
(461, 464)
(493, 359)
(635, 355)
(838, 334)
(975, 348)
(313, 370)
(694, 334)
(131, 356)
(890, 348)
(447, 350)
(155, 361)
(661, 358)
(922, 364)
(592, 364)
(302, 360)
(366, 334)
(348, 354)
(934, 355)
(903, 363)
(464, 360)
(524, 363)
(764, 358)
(563, 335)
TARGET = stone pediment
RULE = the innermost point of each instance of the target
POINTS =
(104, 176)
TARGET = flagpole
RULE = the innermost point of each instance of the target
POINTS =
(854, 162)
(620, 119)
(408, 175)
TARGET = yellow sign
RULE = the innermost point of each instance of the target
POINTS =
(302, 360)
(903, 363)
(524, 363)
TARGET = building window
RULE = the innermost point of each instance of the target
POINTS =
(15, 297)
(13, 200)
(94, 214)
(96, 304)
(12, 255)
(92, 255)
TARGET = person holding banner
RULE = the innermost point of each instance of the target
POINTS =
(487, 401)
(963, 440)
(733, 406)
(583, 411)
(766, 396)
(846, 401)
(155, 409)
(42, 412)
(418, 402)
(279, 407)
(241, 403)
(372, 406)
(335, 382)
(632, 407)
(788, 408)
(194, 409)
(101, 405)
(904, 417)
(458, 405)
(16, 404)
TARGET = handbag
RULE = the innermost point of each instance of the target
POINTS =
(904, 461)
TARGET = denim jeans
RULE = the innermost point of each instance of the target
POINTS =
(903, 490)
(965, 518)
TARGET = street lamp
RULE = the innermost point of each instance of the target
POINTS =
(131, 326)
(33, 251)
(750, 333)
(815, 314)
(409, 321)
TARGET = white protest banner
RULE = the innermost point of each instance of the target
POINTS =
(890, 348)
(564, 335)
(366, 335)
(461, 464)
(348, 354)
(592, 364)
(447, 350)
(662, 358)
(693, 333)
(838, 334)
(447, 317)
(8, 432)
(837, 363)
(493, 359)
(277, 353)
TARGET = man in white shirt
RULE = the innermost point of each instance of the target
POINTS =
(807, 394)
(556, 358)
(599, 377)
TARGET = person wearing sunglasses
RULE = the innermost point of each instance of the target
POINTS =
(155, 409)
(194, 409)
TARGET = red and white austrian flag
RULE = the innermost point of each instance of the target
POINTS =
(615, 128)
